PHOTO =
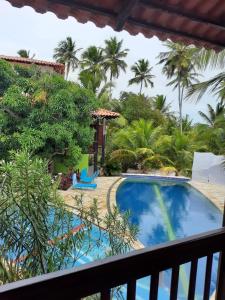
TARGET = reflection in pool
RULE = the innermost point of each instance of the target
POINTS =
(166, 211)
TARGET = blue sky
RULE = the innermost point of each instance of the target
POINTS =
(40, 33)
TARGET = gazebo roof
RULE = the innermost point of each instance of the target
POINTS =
(199, 22)
(105, 114)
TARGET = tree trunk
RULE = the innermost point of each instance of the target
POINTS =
(110, 88)
(67, 71)
(141, 88)
(180, 106)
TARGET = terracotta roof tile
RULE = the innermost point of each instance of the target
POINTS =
(18, 59)
(104, 113)
(173, 19)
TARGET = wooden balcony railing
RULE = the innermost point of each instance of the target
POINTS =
(101, 276)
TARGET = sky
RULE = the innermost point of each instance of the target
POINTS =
(23, 28)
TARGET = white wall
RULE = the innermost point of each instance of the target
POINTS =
(208, 167)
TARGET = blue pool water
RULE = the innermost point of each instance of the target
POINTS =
(166, 211)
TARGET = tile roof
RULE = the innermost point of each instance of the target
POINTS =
(104, 113)
(17, 59)
(199, 22)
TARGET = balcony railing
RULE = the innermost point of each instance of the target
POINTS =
(102, 276)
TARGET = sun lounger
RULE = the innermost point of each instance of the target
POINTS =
(88, 179)
(83, 186)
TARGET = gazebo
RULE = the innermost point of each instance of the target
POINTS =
(100, 117)
(198, 22)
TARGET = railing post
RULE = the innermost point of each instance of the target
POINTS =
(220, 291)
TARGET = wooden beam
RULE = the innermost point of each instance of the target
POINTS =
(125, 11)
(175, 11)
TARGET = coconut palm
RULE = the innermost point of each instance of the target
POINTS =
(25, 53)
(142, 74)
(140, 134)
(114, 57)
(92, 59)
(179, 64)
(215, 85)
(66, 53)
(213, 114)
(159, 103)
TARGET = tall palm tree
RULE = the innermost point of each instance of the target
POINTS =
(142, 74)
(66, 53)
(179, 63)
(159, 103)
(25, 53)
(92, 59)
(213, 114)
(114, 58)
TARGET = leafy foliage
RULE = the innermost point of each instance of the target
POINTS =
(7, 76)
(52, 119)
(37, 229)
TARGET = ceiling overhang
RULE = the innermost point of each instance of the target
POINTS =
(198, 22)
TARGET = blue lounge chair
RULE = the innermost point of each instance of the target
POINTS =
(83, 186)
(88, 179)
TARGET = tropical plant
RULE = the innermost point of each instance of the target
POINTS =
(49, 116)
(215, 85)
(180, 64)
(213, 114)
(25, 53)
(114, 58)
(92, 60)
(135, 106)
(37, 229)
(7, 76)
(136, 147)
(159, 103)
(66, 53)
(142, 74)
(140, 134)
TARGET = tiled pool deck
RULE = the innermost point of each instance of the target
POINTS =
(216, 193)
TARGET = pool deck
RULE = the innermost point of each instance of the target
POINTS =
(215, 193)
(101, 193)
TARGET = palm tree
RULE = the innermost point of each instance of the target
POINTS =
(137, 146)
(66, 53)
(93, 82)
(114, 58)
(213, 115)
(179, 65)
(142, 74)
(92, 59)
(140, 134)
(159, 103)
(25, 53)
(216, 85)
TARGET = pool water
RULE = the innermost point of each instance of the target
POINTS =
(166, 211)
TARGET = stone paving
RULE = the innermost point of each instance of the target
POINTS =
(100, 193)
(215, 193)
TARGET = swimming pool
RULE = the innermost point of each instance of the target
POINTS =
(166, 211)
